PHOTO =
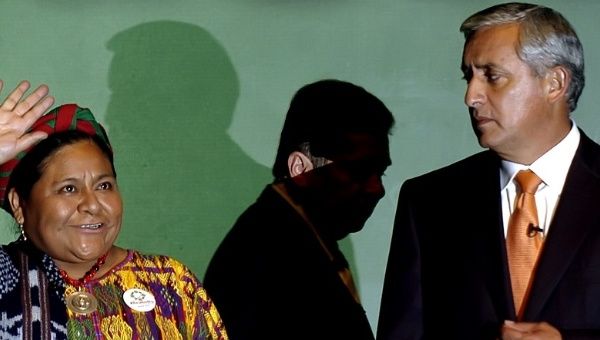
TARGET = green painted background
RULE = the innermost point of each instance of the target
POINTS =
(194, 93)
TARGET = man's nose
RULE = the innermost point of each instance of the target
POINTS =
(475, 94)
(374, 186)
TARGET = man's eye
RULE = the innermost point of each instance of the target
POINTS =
(362, 172)
(492, 78)
(467, 76)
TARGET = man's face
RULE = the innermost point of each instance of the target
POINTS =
(341, 195)
(509, 112)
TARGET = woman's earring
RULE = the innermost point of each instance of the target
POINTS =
(23, 236)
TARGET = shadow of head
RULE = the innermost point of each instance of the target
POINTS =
(173, 72)
(183, 179)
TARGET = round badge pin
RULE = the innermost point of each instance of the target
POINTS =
(82, 303)
(139, 300)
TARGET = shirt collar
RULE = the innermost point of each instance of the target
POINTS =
(552, 167)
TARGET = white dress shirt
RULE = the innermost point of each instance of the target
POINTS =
(552, 167)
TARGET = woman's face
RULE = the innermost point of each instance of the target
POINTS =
(74, 211)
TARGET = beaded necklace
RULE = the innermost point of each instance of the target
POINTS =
(88, 275)
(82, 302)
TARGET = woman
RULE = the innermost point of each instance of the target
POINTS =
(64, 277)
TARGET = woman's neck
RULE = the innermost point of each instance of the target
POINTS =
(78, 270)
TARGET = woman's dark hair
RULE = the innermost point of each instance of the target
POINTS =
(31, 167)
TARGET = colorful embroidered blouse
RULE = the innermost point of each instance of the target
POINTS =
(181, 308)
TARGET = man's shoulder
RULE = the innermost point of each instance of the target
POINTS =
(469, 166)
(589, 152)
(264, 225)
(268, 209)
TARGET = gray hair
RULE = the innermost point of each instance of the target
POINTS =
(546, 40)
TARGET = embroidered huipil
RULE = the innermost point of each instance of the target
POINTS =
(182, 309)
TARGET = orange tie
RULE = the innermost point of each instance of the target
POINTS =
(523, 242)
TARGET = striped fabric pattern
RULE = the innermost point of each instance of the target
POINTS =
(32, 300)
(183, 309)
(62, 118)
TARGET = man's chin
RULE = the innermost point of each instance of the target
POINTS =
(349, 229)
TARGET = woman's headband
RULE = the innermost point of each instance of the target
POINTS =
(63, 118)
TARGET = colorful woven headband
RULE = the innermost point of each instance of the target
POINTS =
(63, 118)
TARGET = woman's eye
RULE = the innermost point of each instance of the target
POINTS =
(68, 189)
(105, 186)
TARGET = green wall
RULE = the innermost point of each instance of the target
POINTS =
(194, 93)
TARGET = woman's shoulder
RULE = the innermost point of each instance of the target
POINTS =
(168, 270)
(7, 263)
(8, 268)
(156, 263)
(3, 251)
(155, 259)
(8, 257)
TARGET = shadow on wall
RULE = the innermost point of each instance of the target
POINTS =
(184, 181)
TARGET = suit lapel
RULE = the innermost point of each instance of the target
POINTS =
(576, 214)
(489, 239)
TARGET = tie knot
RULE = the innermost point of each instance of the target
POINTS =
(528, 181)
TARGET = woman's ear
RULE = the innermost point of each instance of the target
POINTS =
(299, 163)
(16, 206)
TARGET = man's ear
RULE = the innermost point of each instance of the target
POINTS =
(558, 80)
(15, 206)
(299, 163)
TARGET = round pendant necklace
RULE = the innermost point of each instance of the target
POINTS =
(82, 302)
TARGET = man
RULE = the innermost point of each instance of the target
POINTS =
(474, 254)
(279, 274)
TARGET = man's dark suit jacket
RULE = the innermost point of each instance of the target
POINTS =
(271, 279)
(447, 274)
